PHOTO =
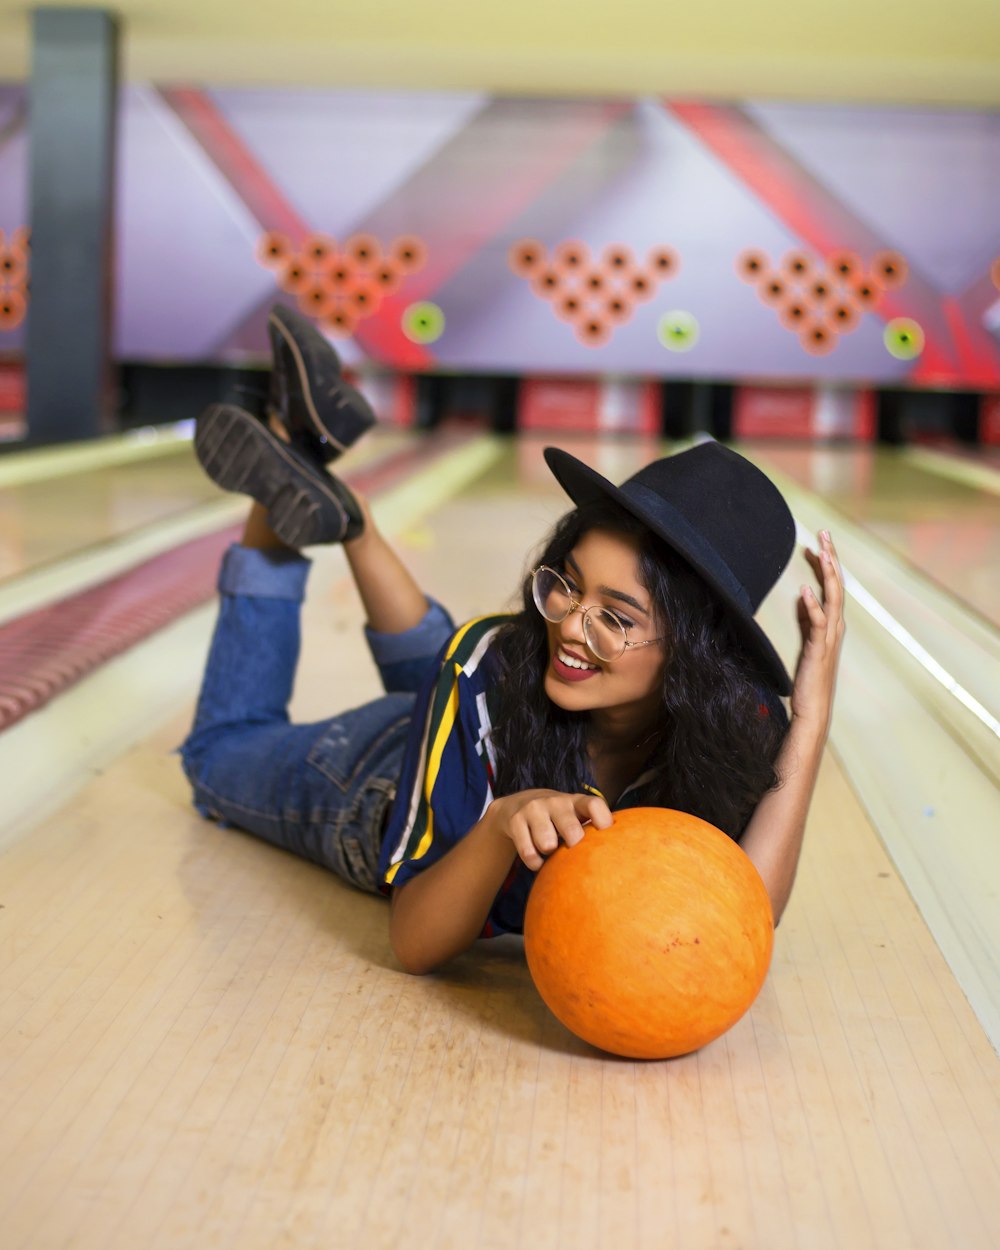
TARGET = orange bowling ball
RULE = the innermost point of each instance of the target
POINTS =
(651, 938)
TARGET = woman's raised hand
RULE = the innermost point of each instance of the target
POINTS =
(821, 622)
(536, 821)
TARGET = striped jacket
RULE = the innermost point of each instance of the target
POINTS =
(449, 769)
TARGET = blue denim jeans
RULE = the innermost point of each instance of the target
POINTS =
(320, 790)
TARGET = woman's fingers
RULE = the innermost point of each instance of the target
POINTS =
(546, 819)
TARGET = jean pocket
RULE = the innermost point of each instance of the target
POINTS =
(365, 742)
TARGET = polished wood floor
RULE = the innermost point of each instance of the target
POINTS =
(205, 1042)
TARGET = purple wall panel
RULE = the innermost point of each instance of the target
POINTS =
(204, 173)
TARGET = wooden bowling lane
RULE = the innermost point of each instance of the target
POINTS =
(205, 1042)
(943, 521)
(56, 504)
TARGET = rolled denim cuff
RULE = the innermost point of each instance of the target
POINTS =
(422, 642)
(277, 574)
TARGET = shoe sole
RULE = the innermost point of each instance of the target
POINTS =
(320, 429)
(240, 454)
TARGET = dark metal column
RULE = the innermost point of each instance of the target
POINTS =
(74, 81)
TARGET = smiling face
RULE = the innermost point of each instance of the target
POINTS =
(602, 571)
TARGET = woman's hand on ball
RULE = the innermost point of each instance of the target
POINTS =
(536, 821)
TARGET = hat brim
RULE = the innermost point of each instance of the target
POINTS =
(585, 485)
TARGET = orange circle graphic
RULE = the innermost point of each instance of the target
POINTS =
(316, 299)
(752, 265)
(889, 270)
(12, 308)
(294, 277)
(364, 249)
(794, 315)
(617, 258)
(642, 287)
(341, 323)
(663, 261)
(866, 293)
(547, 284)
(773, 290)
(844, 266)
(844, 316)
(273, 249)
(569, 308)
(409, 253)
(797, 264)
(618, 309)
(526, 257)
(13, 266)
(818, 339)
(593, 331)
(571, 257)
(318, 250)
(387, 277)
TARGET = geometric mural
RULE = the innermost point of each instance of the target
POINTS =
(779, 241)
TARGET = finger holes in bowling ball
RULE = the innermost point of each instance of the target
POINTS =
(617, 258)
(273, 249)
(548, 283)
(662, 261)
(409, 253)
(341, 323)
(294, 278)
(12, 308)
(817, 339)
(797, 264)
(526, 257)
(678, 331)
(593, 331)
(571, 257)
(752, 265)
(889, 270)
(903, 338)
(423, 322)
(364, 249)
(773, 291)
(844, 265)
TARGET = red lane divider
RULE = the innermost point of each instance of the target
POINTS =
(46, 651)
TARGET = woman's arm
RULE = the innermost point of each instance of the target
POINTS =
(440, 912)
(773, 837)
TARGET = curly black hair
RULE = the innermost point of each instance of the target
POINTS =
(722, 725)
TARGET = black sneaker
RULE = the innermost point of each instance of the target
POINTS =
(305, 504)
(323, 414)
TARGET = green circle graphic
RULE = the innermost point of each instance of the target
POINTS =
(678, 331)
(903, 338)
(423, 322)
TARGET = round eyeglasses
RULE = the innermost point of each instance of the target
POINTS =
(604, 632)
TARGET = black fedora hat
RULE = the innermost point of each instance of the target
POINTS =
(717, 510)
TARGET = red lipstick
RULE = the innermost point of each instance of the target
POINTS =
(566, 673)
